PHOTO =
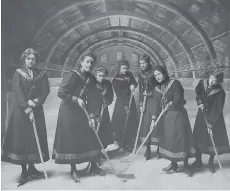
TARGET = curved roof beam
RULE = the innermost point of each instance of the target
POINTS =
(167, 5)
(154, 39)
(109, 29)
(135, 31)
(177, 10)
(154, 55)
(109, 40)
(126, 44)
(128, 14)
(122, 43)
(153, 22)
(57, 13)
(75, 45)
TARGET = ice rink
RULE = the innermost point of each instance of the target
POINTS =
(148, 174)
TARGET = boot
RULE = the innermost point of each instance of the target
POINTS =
(23, 177)
(211, 165)
(148, 152)
(34, 173)
(93, 169)
(74, 175)
(187, 169)
(173, 166)
(158, 157)
(198, 162)
(24, 169)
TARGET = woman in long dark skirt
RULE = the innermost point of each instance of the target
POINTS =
(147, 83)
(105, 90)
(210, 97)
(174, 130)
(124, 84)
(30, 89)
(75, 141)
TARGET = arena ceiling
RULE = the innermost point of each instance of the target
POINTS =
(181, 34)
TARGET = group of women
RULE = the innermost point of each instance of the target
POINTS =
(85, 99)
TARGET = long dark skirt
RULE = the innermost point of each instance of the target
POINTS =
(75, 142)
(202, 138)
(146, 122)
(118, 122)
(19, 144)
(175, 136)
(105, 131)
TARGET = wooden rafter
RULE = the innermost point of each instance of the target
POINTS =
(134, 31)
(202, 44)
(170, 24)
(122, 38)
(191, 29)
(145, 30)
(149, 49)
(167, 5)
(128, 14)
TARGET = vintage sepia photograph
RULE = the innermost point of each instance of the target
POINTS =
(115, 94)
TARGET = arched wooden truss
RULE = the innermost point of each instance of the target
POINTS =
(93, 12)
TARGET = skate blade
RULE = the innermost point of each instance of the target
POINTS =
(22, 182)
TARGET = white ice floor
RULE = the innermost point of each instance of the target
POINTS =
(148, 174)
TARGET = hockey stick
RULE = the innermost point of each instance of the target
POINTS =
(214, 146)
(140, 123)
(101, 115)
(126, 121)
(122, 177)
(146, 138)
(151, 129)
(39, 147)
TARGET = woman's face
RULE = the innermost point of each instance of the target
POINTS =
(30, 61)
(87, 63)
(212, 81)
(123, 69)
(100, 76)
(143, 64)
(159, 76)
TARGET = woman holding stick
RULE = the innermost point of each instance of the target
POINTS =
(210, 97)
(124, 85)
(147, 83)
(30, 89)
(75, 141)
(105, 91)
(174, 130)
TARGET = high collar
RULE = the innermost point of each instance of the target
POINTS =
(120, 74)
(100, 82)
(164, 82)
(82, 72)
(148, 70)
(213, 87)
(30, 69)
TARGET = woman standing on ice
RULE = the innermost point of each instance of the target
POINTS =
(75, 141)
(105, 91)
(124, 85)
(174, 130)
(210, 97)
(147, 83)
(30, 89)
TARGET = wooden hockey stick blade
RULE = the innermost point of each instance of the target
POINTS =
(126, 176)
